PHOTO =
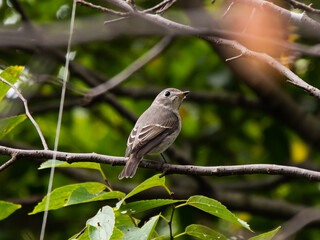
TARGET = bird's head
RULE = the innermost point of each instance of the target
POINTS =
(171, 98)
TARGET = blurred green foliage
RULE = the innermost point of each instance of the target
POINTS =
(212, 133)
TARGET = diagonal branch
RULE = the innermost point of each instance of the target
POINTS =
(302, 6)
(292, 78)
(9, 162)
(219, 171)
(25, 103)
(127, 72)
(161, 5)
(102, 9)
(298, 222)
(181, 28)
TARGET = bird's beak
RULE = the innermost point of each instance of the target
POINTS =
(183, 94)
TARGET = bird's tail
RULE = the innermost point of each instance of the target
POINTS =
(130, 168)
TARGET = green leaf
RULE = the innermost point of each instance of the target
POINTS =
(215, 208)
(133, 233)
(267, 235)
(76, 194)
(140, 206)
(128, 231)
(7, 124)
(154, 181)
(87, 165)
(125, 220)
(101, 226)
(10, 74)
(58, 163)
(116, 234)
(203, 232)
(75, 197)
(7, 208)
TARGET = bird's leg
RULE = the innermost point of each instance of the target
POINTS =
(163, 158)
(164, 171)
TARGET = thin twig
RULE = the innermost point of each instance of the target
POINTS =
(82, 231)
(165, 7)
(9, 162)
(233, 58)
(228, 10)
(171, 217)
(25, 103)
(133, 4)
(132, 68)
(102, 9)
(16, 4)
(303, 6)
(159, 5)
(115, 20)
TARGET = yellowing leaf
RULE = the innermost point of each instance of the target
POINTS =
(11, 75)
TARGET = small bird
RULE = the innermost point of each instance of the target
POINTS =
(155, 130)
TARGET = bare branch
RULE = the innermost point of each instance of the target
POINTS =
(292, 78)
(102, 9)
(159, 5)
(115, 20)
(302, 6)
(298, 222)
(135, 66)
(165, 7)
(16, 4)
(228, 10)
(170, 25)
(233, 58)
(25, 103)
(9, 162)
(219, 171)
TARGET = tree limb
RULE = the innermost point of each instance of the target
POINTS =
(175, 27)
(219, 171)
(292, 78)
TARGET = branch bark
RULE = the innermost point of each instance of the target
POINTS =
(292, 78)
(219, 171)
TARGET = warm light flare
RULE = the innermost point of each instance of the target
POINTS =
(259, 28)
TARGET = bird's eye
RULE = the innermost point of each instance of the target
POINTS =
(167, 93)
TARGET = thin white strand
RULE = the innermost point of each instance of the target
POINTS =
(56, 142)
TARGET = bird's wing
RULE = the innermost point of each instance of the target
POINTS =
(131, 139)
(151, 135)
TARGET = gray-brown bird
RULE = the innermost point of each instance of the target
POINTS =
(155, 130)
